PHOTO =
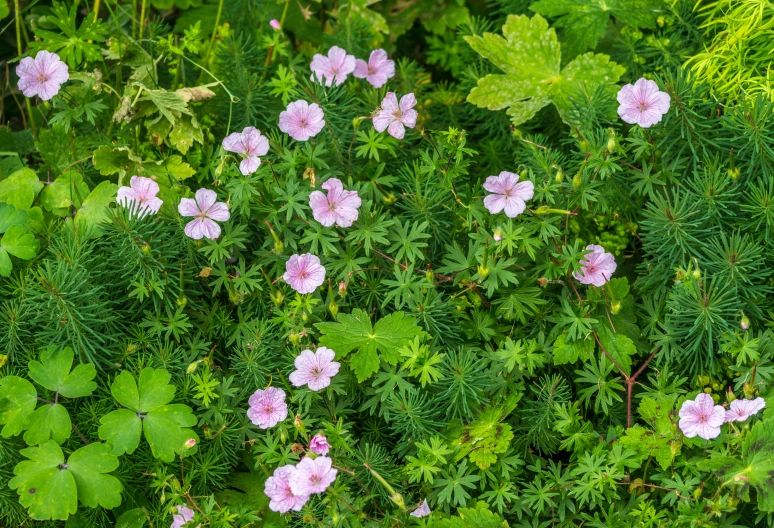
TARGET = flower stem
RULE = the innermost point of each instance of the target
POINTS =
(19, 48)
(214, 32)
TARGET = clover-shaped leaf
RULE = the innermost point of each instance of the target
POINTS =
(51, 488)
(530, 58)
(53, 372)
(17, 401)
(166, 426)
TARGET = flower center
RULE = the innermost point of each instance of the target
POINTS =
(268, 409)
(331, 206)
(371, 70)
(303, 274)
(398, 114)
(591, 268)
(702, 418)
(42, 77)
(315, 479)
(642, 106)
(303, 123)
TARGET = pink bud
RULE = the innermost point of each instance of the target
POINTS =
(190, 443)
(498, 235)
(319, 444)
(275, 24)
(342, 288)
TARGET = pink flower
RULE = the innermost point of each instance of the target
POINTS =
(642, 104)
(339, 207)
(509, 194)
(206, 210)
(741, 410)
(302, 120)
(701, 417)
(267, 407)
(314, 369)
(140, 196)
(597, 268)
(190, 443)
(422, 511)
(393, 116)
(274, 23)
(304, 273)
(378, 70)
(277, 488)
(182, 517)
(312, 476)
(42, 76)
(319, 444)
(249, 144)
(333, 68)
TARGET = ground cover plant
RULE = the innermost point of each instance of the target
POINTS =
(376, 263)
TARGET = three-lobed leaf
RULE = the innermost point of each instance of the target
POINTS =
(53, 372)
(166, 426)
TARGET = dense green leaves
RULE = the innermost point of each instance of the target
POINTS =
(166, 426)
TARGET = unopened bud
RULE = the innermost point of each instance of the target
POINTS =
(277, 297)
(744, 323)
(182, 301)
(397, 498)
(356, 122)
(584, 145)
(146, 249)
(616, 307)
(577, 180)
(294, 338)
(542, 281)
(342, 289)
(611, 144)
(189, 444)
(334, 309)
(192, 367)
(389, 198)
(483, 271)
(298, 423)
(734, 172)
(297, 448)
(429, 275)
(696, 274)
(730, 396)
(497, 235)
(274, 23)
(559, 176)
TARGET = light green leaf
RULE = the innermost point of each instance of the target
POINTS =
(530, 57)
(4, 9)
(20, 188)
(47, 422)
(573, 351)
(18, 399)
(68, 190)
(17, 243)
(166, 426)
(584, 22)
(89, 466)
(620, 347)
(354, 331)
(132, 519)
(10, 216)
(53, 372)
(44, 486)
(94, 209)
(110, 161)
(169, 104)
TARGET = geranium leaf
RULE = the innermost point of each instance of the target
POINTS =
(47, 422)
(18, 399)
(166, 430)
(53, 373)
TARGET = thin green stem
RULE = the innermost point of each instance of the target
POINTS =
(142, 17)
(19, 49)
(214, 32)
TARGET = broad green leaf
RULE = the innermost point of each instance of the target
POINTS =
(185, 132)
(478, 517)
(4, 9)
(170, 105)
(20, 189)
(530, 58)
(132, 519)
(663, 441)
(573, 351)
(354, 331)
(17, 243)
(166, 430)
(753, 469)
(47, 422)
(485, 438)
(18, 399)
(584, 21)
(89, 466)
(68, 190)
(44, 486)
(110, 161)
(53, 372)
(10, 216)
(94, 209)
(620, 347)
(166, 426)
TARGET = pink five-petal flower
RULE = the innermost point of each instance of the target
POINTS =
(393, 116)
(140, 196)
(597, 266)
(334, 68)
(742, 409)
(312, 476)
(267, 407)
(250, 144)
(508, 194)
(319, 444)
(339, 207)
(304, 273)
(182, 517)
(277, 488)
(314, 369)
(642, 103)
(302, 120)
(701, 417)
(206, 210)
(422, 511)
(42, 76)
(377, 71)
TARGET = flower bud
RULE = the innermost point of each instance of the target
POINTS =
(298, 423)
(696, 274)
(304, 317)
(146, 249)
(390, 198)
(181, 301)
(483, 271)
(189, 444)
(319, 444)
(192, 367)
(730, 396)
(497, 235)
(611, 144)
(559, 176)
(297, 448)
(577, 180)
(429, 275)
(277, 297)
(294, 338)
(342, 289)
(745, 322)
(584, 145)
(356, 122)
(616, 307)
(543, 282)
(274, 23)
(333, 308)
